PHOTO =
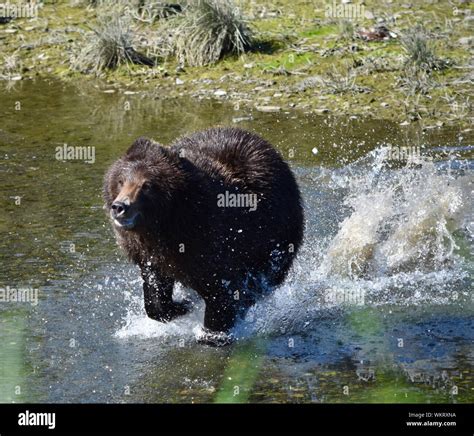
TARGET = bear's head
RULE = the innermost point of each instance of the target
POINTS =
(139, 188)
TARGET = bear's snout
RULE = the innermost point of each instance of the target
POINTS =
(124, 215)
(119, 208)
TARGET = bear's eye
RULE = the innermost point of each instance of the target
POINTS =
(120, 183)
(146, 186)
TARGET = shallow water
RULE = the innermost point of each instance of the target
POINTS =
(378, 306)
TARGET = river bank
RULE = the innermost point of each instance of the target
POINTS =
(309, 56)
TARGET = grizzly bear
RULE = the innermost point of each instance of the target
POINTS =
(218, 211)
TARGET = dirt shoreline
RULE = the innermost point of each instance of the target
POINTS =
(305, 62)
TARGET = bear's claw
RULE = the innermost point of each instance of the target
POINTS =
(215, 339)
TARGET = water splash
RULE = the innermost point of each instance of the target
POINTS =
(401, 220)
(136, 323)
(395, 244)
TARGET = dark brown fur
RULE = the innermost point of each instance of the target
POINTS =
(229, 255)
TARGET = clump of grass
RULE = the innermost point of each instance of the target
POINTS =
(11, 67)
(340, 83)
(108, 3)
(379, 64)
(346, 30)
(414, 80)
(309, 83)
(149, 11)
(105, 4)
(414, 109)
(208, 31)
(109, 47)
(460, 110)
(420, 52)
(334, 82)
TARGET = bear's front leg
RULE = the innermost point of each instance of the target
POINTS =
(158, 295)
(219, 317)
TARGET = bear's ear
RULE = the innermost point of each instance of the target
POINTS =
(140, 148)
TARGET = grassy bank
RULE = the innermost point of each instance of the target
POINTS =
(304, 56)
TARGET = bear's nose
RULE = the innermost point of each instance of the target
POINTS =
(119, 208)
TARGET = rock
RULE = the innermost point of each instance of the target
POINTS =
(405, 123)
(241, 119)
(220, 93)
(247, 66)
(322, 111)
(467, 40)
(268, 108)
(179, 81)
(314, 151)
(130, 92)
(369, 15)
(384, 104)
(108, 91)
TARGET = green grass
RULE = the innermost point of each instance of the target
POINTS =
(321, 31)
(292, 41)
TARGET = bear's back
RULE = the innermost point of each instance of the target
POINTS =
(233, 161)
(238, 157)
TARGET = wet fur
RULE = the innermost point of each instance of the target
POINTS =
(180, 207)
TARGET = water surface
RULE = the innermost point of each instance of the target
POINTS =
(378, 306)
